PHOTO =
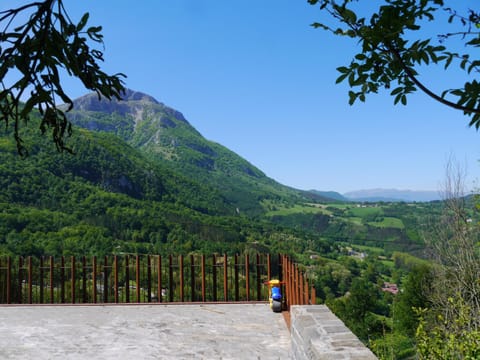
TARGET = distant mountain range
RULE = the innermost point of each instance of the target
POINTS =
(386, 195)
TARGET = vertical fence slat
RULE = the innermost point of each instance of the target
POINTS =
(180, 265)
(305, 291)
(115, 279)
(40, 274)
(72, 289)
(137, 277)
(84, 279)
(20, 279)
(170, 278)
(52, 287)
(247, 276)
(259, 285)
(214, 277)
(159, 278)
(62, 280)
(286, 268)
(9, 280)
(269, 267)
(94, 279)
(105, 279)
(192, 276)
(301, 289)
(235, 268)
(30, 280)
(127, 279)
(203, 279)
(225, 277)
(296, 285)
(149, 278)
(284, 278)
(288, 282)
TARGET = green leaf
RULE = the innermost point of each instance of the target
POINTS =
(83, 21)
(341, 78)
(349, 16)
(352, 96)
(396, 91)
(424, 57)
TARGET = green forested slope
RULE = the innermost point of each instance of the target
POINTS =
(167, 138)
(111, 197)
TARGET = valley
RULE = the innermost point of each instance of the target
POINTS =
(142, 180)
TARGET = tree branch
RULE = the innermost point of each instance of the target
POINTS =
(426, 90)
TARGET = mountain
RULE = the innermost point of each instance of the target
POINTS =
(142, 179)
(392, 195)
(166, 137)
(333, 195)
(110, 197)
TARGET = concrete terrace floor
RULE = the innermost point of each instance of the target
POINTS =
(200, 331)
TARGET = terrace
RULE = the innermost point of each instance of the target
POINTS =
(64, 310)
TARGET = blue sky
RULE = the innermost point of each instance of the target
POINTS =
(253, 76)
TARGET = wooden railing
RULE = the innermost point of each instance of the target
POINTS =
(298, 289)
(149, 278)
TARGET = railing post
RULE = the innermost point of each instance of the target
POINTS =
(72, 288)
(9, 280)
(62, 280)
(159, 278)
(84, 279)
(259, 285)
(281, 277)
(182, 298)
(286, 276)
(20, 279)
(225, 277)
(247, 276)
(300, 286)
(235, 268)
(292, 282)
(203, 279)
(40, 281)
(291, 297)
(52, 300)
(305, 286)
(297, 285)
(115, 279)
(269, 270)
(170, 278)
(192, 276)
(105, 279)
(137, 277)
(127, 279)
(149, 279)
(94, 279)
(214, 270)
(30, 280)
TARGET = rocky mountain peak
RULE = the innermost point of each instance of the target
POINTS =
(132, 102)
(132, 95)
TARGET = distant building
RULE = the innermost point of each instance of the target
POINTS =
(390, 287)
